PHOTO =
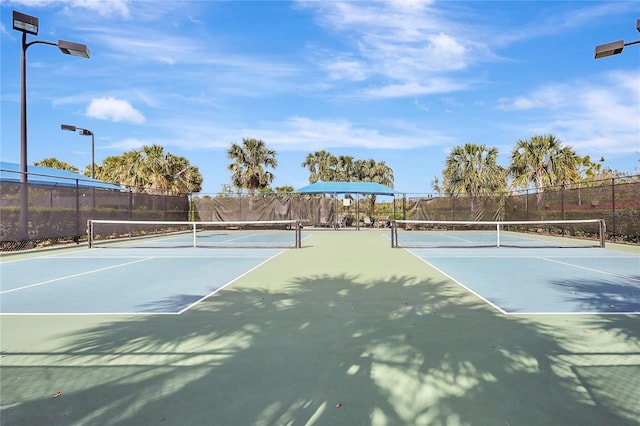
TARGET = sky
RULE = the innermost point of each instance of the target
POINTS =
(396, 81)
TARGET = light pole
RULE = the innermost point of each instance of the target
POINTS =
(615, 47)
(29, 25)
(84, 132)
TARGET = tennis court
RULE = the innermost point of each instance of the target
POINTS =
(124, 280)
(345, 330)
(536, 281)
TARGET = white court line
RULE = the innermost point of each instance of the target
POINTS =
(487, 301)
(573, 313)
(519, 312)
(82, 314)
(185, 309)
(626, 277)
(227, 284)
(451, 237)
(74, 276)
(225, 256)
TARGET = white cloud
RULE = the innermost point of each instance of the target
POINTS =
(409, 88)
(115, 110)
(420, 106)
(519, 103)
(595, 115)
(103, 8)
(406, 44)
(306, 134)
(295, 134)
(550, 96)
(344, 69)
(129, 144)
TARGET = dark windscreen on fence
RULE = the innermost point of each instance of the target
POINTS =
(59, 213)
(311, 210)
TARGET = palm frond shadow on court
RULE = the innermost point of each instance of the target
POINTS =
(612, 295)
(325, 350)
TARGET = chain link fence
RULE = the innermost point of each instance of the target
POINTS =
(58, 213)
(617, 201)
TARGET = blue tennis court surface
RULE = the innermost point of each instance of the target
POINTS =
(567, 280)
(122, 281)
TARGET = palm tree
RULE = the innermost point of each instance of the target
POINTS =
(54, 163)
(543, 161)
(473, 169)
(151, 170)
(123, 170)
(345, 168)
(250, 162)
(321, 165)
(383, 174)
(372, 171)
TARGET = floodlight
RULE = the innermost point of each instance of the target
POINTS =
(615, 47)
(609, 49)
(84, 132)
(25, 23)
(74, 49)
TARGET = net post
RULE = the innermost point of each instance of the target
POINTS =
(89, 233)
(195, 244)
(602, 229)
(394, 234)
(298, 234)
(497, 234)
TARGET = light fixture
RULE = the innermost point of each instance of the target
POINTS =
(25, 23)
(615, 47)
(73, 49)
(609, 49)
(30, 25)
(84, 132)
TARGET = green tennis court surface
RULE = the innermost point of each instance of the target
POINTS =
(344, 331)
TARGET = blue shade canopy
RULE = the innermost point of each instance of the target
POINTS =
(10, 172)
(347, 188)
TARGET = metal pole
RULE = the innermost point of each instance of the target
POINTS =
(613, 209)
(77, 208)
(93, 172)
(562, 203)
(24, 190)
(93, 155)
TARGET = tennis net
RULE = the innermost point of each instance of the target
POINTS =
(551, 233)
(168, 234)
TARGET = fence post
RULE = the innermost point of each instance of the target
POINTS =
(613, 208)
(130, 204)
(562, 201)
(453, 207)
(77, 208)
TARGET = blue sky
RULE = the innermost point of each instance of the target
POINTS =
(400, 81)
